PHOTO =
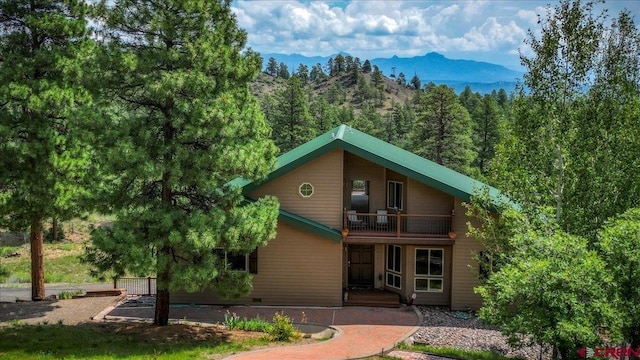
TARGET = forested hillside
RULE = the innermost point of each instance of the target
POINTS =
(458, 131)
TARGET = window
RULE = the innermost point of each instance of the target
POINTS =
(394, 195)
(305, 190)
(429, 270)
(239, 262)
(394, 266)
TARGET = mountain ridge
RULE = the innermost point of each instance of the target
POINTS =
(481, 76)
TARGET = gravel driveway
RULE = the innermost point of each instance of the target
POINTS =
(70, 312)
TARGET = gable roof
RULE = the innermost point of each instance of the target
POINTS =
(381, 153)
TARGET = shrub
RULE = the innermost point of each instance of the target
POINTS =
(283, 329)
(48, 235)
(68, 294)
(233, 322)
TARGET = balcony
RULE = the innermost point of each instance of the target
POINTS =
(398, 225)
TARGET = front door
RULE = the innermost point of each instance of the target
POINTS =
(360, 266)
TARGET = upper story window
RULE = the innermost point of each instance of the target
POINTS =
(305, 190)
(394, 195)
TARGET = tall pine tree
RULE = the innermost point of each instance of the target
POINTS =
(442, 131)
(292, 123)
(44, 154)
(188, 125)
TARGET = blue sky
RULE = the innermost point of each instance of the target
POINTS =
(482, 30)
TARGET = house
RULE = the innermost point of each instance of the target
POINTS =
(359, 213)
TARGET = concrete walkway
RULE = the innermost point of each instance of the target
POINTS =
(362, 331)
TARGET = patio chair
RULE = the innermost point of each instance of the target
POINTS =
(382, 221)
(354, 221)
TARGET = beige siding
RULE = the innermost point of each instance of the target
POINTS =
(325, 205)
(465, 268)
(423, 199)
(357, 168)
(296, 268)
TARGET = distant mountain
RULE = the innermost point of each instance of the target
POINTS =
(482, 77)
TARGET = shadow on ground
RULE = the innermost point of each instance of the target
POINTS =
(117, 340)
(19, 311)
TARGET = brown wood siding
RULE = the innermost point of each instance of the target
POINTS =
(325, 205)
(296, 268)
(465, 267)
(357, 168)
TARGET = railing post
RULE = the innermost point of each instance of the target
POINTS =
(149, 285)
(344, 219)
(398, 224)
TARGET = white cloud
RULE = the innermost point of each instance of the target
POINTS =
(488, 29)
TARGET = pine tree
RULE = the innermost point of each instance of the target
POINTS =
(187, 125)
(366, 67)
(486, 134)
(303, 73)
(272, 67)
(44, 152)
(283, 71)
(415, 82)
(442, 132)
(292, 124)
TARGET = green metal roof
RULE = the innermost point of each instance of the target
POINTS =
(310, 226)
(376, 151)
(381, 153)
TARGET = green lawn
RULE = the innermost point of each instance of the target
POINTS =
(118, 341)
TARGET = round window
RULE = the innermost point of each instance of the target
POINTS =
(306, 189)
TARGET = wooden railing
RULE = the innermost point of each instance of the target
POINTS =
(397, 225)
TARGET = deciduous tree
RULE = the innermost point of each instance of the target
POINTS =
(553, 291)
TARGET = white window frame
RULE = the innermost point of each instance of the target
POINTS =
(399, 201)
(428, 277)
(305, 184)
(395, 272)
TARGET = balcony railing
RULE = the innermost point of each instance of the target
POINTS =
(397, 225)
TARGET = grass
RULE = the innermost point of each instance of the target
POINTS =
(64, 267)
(102, 341)
(455, 353)
(69, 294)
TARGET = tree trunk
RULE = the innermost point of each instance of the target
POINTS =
(37, 263)
(161, 317)
(54, 229)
